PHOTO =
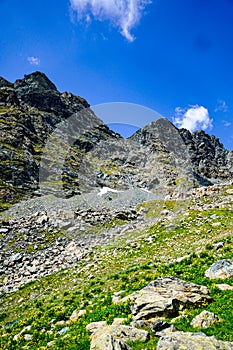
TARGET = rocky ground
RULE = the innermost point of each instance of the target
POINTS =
(161, 298)
(44, 243)
(38, 243)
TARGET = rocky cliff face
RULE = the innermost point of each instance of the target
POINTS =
(54, 142)
(30, 109)
(204, 154)
(211, 162)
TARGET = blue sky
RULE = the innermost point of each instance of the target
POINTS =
(174, 57)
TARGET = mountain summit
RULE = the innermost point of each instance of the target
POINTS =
(36, 80)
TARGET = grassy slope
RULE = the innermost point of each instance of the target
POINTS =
(128, 263)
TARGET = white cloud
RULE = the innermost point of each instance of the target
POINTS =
(34, 61)
(194, 118)
(226, 123)
(221, 106)
(125, 14)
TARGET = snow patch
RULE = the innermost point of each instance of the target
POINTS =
(105, 190)
(145, 190)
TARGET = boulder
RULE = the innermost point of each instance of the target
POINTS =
(16, 257)
(191, 341)
(204, 320)
(76, 314)
(165, 297)
(108, 342)
(27, 337)
(121, 332)
(93, 327)
(224, 286)
(63, 331)
(218, 245)
(220, 269)
(71, 247)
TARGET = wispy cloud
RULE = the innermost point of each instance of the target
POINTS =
(226, 123)
(34, 61)
(193, 118)
(125, 14)
(221, 106)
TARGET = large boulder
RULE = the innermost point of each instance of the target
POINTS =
(220, 269)
(191, 341)
(165, 297)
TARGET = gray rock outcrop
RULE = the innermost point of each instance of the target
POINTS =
(220, 269)
(165, 297)
(108, 342)
(191, 341)
(114, 337)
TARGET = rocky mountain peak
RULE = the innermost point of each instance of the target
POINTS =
(5, 83)
(35, 80)
(158, 129)
(210, 160)
(155, 158)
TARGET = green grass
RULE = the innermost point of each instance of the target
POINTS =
(126, 264)
(154, 208)
(4, 206)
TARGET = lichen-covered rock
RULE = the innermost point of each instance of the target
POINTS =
(165, 297)
(108, 342)
(119, 321)
(220, 269)
(95, 326)
(122, 332)
(204, 320)
(191, 341)
(224, 286)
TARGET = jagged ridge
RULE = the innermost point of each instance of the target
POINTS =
(158, 158)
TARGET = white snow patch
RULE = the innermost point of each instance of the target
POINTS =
(105, 190)
(146, 190)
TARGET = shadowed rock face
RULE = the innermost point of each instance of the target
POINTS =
(5, 83)
(30, 110)
(211, 162)
(55, 138)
